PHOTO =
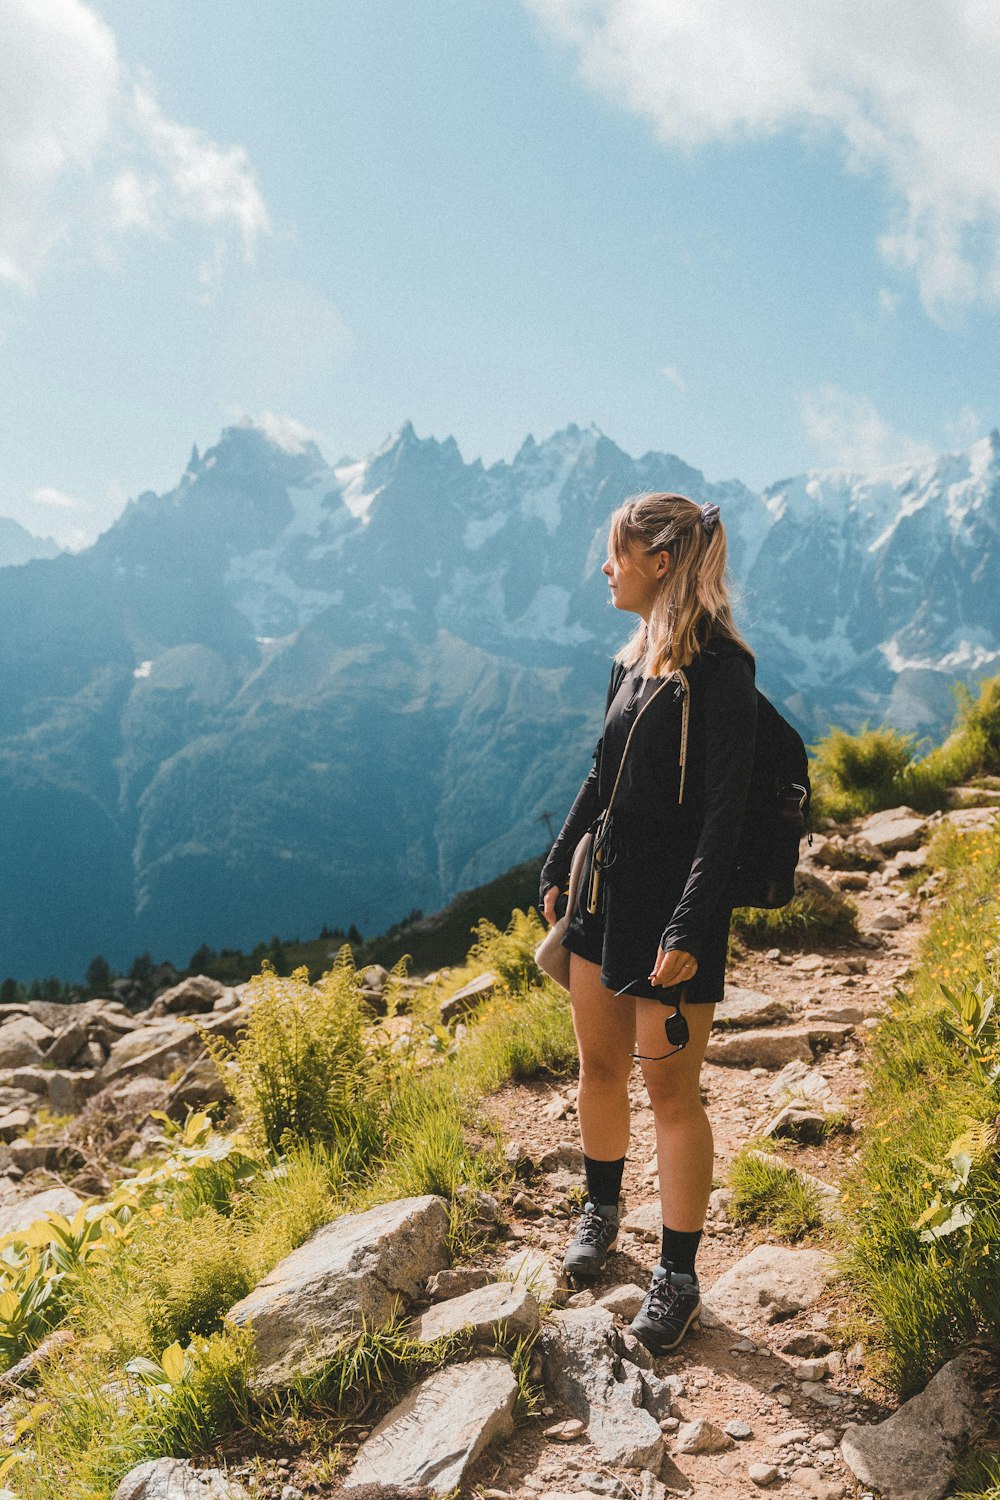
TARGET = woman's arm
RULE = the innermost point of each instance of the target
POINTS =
(555, 870)
(730, 698)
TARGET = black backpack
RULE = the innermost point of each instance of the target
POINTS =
(776, 815)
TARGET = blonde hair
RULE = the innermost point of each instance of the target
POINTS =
(693, 599)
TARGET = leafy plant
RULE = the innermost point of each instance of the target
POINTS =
(300, 1070)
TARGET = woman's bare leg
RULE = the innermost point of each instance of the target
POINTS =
(605, 1035)
(685, 1150)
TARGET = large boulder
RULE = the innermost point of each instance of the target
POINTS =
(912, 1454)
(176, 1479)
(191, 997)
(471, 995)
(773, 1281)
(153, 1050)
(24, 1212)
(436, 1433)
(22, 1041)
(358, 1267)
(582, 1359)
(774, 1049)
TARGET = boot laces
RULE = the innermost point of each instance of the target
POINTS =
(593, 1227)
(665, 1297)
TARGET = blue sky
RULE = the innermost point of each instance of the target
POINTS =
(764, 243)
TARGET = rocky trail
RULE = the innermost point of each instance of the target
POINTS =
(760, 1398)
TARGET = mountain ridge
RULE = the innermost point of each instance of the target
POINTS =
(287, 692)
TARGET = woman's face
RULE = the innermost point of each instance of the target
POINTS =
(635, 578)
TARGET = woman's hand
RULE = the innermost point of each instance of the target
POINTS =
(549, 904)
(673, 967)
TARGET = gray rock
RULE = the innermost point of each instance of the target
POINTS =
(14, 1123)
(742, 1007)
(360, 1266)
(912, 1454)
(34, 1078)
(796, 1124)
(971, 819)
(30, 1155)
(538, 1273)
(19, 1042)
(623, 1301)
(201, 1083)
(176, 1479)
(762, 1474)
(70, 1041)
(646, 1221)
(894, 829)
(738, 1429)
(191, 997)
(436, 1433)
(507, 1303)
(582, 1367)
(775, 1280)
(456, 1281)
(469, 997)
(24, 1212)
(564, 1157)
(764, 1049)
(68, 1089)
(154, 1050)
(816, 1484)
(701, 1436)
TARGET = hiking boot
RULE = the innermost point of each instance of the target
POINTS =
(671, 1306)
(595, 1235)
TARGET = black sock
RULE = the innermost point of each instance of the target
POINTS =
(680, 1246)
(604, 1180)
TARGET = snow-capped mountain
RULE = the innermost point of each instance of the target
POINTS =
(290, 691)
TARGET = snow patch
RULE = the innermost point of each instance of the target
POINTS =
(351, 478)
(477, 531)
(143, 669)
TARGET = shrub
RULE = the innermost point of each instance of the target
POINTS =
(301, 1071)
(511, 953)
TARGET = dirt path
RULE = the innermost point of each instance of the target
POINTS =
(746, 1372)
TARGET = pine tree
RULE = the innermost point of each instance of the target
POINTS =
(99, 976)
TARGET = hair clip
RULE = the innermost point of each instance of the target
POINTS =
(709, 516)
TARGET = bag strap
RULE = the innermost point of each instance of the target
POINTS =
(602, 826)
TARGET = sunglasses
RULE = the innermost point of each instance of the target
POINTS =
(675, 1026)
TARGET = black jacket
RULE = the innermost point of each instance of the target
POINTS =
(672, 845)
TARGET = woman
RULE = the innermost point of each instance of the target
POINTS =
(653, 928)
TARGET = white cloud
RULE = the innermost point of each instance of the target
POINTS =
(287, 432)
(847, 432)
(910, 93)
(48, 495)
(86, 153)
(675, 377)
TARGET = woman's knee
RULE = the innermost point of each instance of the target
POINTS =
(603, 1069)
(671, 1098)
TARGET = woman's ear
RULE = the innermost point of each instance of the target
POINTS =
(663, 564)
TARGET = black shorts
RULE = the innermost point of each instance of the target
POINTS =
(626, 951)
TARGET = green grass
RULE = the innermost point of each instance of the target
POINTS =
(855, 774)
(772, 1194)
(225, 1221)
(921, 1227)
